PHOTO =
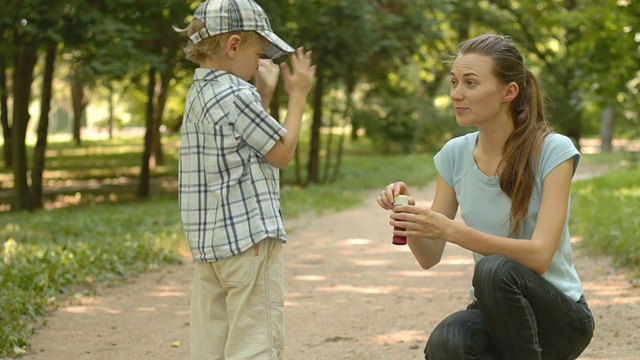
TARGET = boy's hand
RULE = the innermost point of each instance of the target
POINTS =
(299, 78)
(266, 80)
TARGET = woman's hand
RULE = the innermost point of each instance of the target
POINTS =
(421, 222)
(387, 196)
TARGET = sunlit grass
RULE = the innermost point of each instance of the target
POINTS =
(98, 159)
(358, 175)
(606, 213)
(620, 158)
(49, 255)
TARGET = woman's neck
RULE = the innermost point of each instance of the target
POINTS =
(489, 147)
(491, 139)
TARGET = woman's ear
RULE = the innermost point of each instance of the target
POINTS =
(232, 45)
(511, 92)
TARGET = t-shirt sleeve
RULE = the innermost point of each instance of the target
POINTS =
(253, 123)
(557, 149)
(444, 161)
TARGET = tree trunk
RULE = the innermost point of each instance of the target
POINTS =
(43, 128)
(143, 185)
(336, 167)
(313, 175)
(111, 110)
(80, 102)
(465, 12)
(348, 111)
(328, 148)
(608, 119)
(573, 123)
(163, 93)
(26, 58)
(4, 116)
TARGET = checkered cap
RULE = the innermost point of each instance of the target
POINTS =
(222, 16)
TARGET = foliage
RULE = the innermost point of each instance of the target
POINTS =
(584, 68)
(386, 59)
(399, 118)
(605, 69)
(605, 211)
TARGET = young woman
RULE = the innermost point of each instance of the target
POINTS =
(511, 179)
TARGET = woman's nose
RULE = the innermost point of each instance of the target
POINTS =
(455, 94)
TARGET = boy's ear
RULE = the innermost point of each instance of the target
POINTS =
(233, 45)
(511, 91)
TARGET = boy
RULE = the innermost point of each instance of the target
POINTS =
(229, 195)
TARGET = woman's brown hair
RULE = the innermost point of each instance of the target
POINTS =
(521, 150)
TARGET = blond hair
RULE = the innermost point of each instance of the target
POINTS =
(212, 45)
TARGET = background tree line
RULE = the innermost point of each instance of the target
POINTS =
(382, 71)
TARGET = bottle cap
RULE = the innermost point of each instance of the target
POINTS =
(401, 200)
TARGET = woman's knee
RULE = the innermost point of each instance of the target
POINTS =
(451, 339)
(493, 268)
(497, 275)
(445, 343)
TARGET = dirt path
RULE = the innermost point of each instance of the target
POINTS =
(350, 295)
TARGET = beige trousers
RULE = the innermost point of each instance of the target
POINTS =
(237, 306)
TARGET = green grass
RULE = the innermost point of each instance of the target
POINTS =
(605, 211)
(616, 158)
(49, 255)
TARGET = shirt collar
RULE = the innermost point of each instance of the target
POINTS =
(204, 74)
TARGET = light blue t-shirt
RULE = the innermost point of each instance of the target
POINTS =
(485, 207)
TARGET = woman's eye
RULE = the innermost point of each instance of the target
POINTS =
(264, 57)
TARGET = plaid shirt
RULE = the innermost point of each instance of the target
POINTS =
(229, 196)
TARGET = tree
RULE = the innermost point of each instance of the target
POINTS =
(161, 45)
(27, 24)
(608, 60)
(101, 46)
(352, 42)
(578, 64)
(35, 195)
(5, 49)
(406, 76)
(27, 45)
(41, 26)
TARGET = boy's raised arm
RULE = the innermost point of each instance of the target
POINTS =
(298, 79)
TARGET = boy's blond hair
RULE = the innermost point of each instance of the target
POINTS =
(212, 45)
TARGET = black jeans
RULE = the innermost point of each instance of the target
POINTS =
(518, 316)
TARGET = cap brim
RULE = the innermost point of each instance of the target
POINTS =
(277, 47)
